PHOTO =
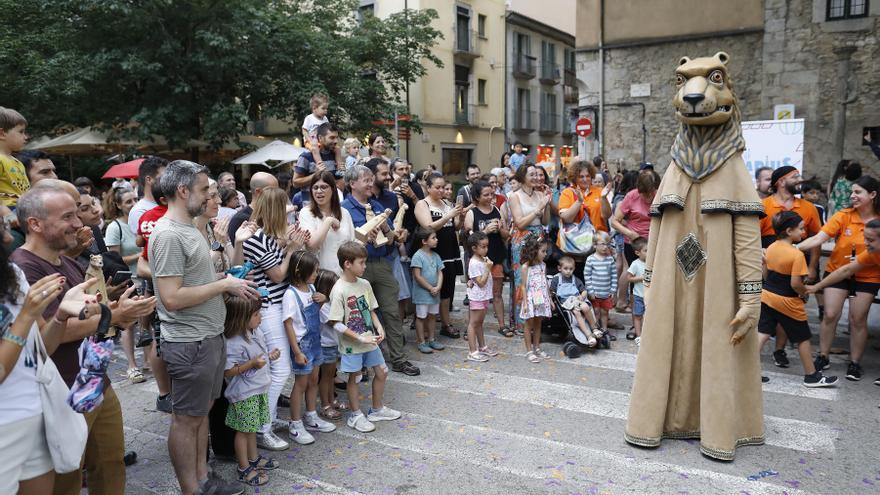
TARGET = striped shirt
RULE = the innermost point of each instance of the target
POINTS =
(600, 275)
(264, 253)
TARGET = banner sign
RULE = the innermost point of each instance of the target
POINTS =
(773, 143)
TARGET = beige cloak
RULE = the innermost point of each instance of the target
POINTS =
(703, 265)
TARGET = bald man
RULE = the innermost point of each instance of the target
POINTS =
(259, 181)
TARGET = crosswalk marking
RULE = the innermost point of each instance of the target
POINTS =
(780, 383)
(583, 465)
(781, 432)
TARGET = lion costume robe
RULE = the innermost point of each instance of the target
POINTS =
(703, 265)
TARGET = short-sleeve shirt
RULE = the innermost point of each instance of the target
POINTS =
(849, 230)
(808, 212)
(329, 335)
(636, 211)
(262, 250)
(359, 217)
(290, 309)
(13, 180)
(477, 268)
(516, 160)
(351, 304)
(637, 269)
(147, 224)
(139, 209)
(592, 206)
(253, 381)
(430, 265)
(66, 356)
(306, 164)
(311, 124)
(118, 234)
(180, 250)
(868, 258)
(327, 258)
(786, 261)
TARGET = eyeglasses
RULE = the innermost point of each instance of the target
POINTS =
(320, 187)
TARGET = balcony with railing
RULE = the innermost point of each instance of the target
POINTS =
(570, 77)
(524, 121)
(464, 114)
(550, 73)
(523, 66)
(570, 94)
(467, 44)
(549, 123)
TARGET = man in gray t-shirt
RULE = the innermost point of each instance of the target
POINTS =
(192, 313)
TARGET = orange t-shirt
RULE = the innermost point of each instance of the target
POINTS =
(802, 207)
(592, 206)
(849, 230)
(785, 259)
(868, 258)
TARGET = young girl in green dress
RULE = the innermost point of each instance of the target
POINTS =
(247, 386)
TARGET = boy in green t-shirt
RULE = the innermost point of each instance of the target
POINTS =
(353, 314)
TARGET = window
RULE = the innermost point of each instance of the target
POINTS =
(522, 118)
(481, 91)
(462, 29)
(845, 9)
(366, 8)
(569, 60)
(523, 45)
(462, 98)
(481, 25)
(456, 160)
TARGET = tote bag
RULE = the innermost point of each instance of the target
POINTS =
(66, 430)
(576, 238)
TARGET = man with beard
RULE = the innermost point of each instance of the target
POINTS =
(306, 166)
(192, 315)
(48, 213)
(380, 269)
(785, 182)
(762, 182)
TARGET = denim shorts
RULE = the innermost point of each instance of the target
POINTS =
(638, 305)
(314, 356)
(352, 363)
(331, 354)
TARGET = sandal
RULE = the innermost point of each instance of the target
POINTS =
(340, 406)
(532, 357)
(329, 412)
(252, 476)
(449, 331)
(135, 376)
(598, 334)
(631, 335)
(264, 463)
(519, 331)
(506, 331)
(591, 341)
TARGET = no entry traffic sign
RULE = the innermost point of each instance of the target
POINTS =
(583, 127)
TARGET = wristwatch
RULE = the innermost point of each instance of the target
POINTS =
(216, 246)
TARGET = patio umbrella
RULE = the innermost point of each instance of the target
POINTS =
(127, 170)
(272, 155)
(85, 140)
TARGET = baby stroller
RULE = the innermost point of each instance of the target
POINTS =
(576, 342)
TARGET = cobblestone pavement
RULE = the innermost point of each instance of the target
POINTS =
(509, 426)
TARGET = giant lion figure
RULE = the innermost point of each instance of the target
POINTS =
(698, 371)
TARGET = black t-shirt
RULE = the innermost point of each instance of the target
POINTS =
(497, 250)
(66, 357)
(240, 217)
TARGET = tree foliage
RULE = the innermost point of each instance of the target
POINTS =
(202, 69)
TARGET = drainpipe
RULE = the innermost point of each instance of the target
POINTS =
(838, 123)
(601, 131)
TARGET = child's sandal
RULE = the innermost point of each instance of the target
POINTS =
(330, 413)
(340, 406)
(264, 463)
(252, 476)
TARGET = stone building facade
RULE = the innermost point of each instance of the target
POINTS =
(782, 51)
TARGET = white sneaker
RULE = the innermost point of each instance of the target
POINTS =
(314, 423)
(299, 434)
(638, 341)
(477, 356)
(541, 354)
(385, 413)
(360, 423)
(270, 441)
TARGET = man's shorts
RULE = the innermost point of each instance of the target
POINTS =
(196, 371)
(797, 331)
(638, 305)
(353, 363)
(603, 303)
(330, 353)
(423, 310)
